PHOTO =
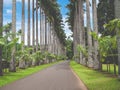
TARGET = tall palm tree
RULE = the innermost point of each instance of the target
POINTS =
(95, 27)
(80, 26)
(21, 62)
(84, 61)
(33, 28)
(75, 30)
(36, 25)
(1, 24)
(90, 60)
(40, 27)
(45, 33)
(12, 62)
(28, 23)
(23, 22)
(51, 9)
(117, 15)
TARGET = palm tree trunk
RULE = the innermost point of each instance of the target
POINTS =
(117, 15)
(22, 62)
(45, 33)
(33, 28)
(1, 24)
(83, 32)
(75, 32)
(80, 26)
(90, 60)
(28, 23)
(23, 23)
(36, 25)
(95, 27)
(40, 28)
(12, 62)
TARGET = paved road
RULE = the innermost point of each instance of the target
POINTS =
(57, 77)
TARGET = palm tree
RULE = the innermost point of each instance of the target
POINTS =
(40, 27)
(36, 25)
(95, 27)
(81, 26)
(33, 32)
(84, 62)
(28, 23)
(90, 60)
(45, 33)
(23, 22)
(52, 11)
(22, 62)
(12, 62)
(1, 24)
(117, 15)
(75, 30)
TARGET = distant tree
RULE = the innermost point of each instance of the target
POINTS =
(105, 12)
(69, 48)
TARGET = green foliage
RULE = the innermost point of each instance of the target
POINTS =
(61, 57)
(106, 44)
(50, 56)
(52, 10)
(7, 42)
(105, 14)
(82, 50)
(37, 56)
(2, 41)
(70, 18)
(24, 55)
(69, 48)
(113, 25)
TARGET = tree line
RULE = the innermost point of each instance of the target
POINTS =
(47, 41)
(95, 41)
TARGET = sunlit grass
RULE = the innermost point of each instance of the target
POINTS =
(104, 68)
(95, 80)
(10, 76)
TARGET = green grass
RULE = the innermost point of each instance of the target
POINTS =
(95, 80)
(11, 77)
(104, 68)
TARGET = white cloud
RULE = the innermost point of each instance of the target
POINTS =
(20, 0)
(66, 27)
(7, 2)
(9, 11)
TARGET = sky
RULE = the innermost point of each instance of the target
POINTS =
(64, 10)
(7, 14)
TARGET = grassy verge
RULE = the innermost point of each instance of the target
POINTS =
(11, 77)
(95, 80)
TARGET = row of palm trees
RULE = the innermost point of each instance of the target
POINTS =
(49, 37)
(81, 35)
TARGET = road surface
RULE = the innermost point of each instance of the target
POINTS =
(57, 77)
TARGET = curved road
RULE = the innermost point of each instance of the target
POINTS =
(57, 77)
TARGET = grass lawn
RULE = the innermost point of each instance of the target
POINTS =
(10, 76)
(95, 80)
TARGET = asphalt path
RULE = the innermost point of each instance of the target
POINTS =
(57, 77)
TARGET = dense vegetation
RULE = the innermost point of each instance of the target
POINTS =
(97, 45)
(47, 44)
